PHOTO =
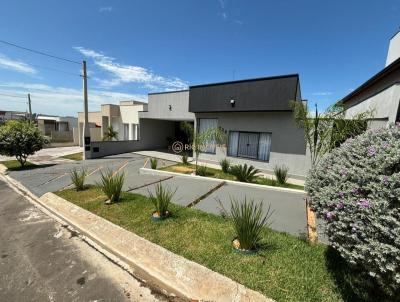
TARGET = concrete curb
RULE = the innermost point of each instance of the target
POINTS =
(181, 276)
(3, 169)
(238, 183)
(148, 261)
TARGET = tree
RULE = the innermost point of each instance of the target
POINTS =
(21, 139)
(200, 140)
(110, 134)
(324, 132)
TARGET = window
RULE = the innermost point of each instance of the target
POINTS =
(204, 125)
(126, 132)
(255, 145)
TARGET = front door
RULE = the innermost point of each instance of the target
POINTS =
(248, 144)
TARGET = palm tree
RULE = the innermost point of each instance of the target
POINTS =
(199, 140)
(110, 134)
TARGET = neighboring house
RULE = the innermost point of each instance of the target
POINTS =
(381, 93)
(123, 118)
(58, 128)
(256, 116)
(12, 115)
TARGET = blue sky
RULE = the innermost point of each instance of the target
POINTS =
(136, 47)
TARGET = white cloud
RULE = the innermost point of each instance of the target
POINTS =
(240, 22)
(322, 93)
(105, 9)
(123, 74)
(58, 100)
(16, 65)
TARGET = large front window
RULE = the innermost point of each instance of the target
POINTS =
(204, 125)
(254, 145)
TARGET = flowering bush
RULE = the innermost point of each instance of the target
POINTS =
(356, 190)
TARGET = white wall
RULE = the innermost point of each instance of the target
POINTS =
(394, 49)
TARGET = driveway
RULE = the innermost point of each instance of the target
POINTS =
(289, 207)
(42, 261)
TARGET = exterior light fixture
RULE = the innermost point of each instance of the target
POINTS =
(232, 103)
(170, 107)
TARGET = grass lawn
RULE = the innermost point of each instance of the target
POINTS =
(14, 165)
(288, 269)
(74, 156)
(188, 169)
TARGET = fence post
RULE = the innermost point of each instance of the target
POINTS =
(311, 223)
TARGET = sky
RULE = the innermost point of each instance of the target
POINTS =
(136, 47)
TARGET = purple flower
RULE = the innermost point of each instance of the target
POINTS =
(329, 215)
(340, 205)
(341, 194)
(386, 145)
(364, 203)
(371, 151)
(356, 190)
(343, 172)
(385, 180)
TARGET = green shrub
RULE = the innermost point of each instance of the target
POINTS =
(281, 174)
(161, 199)
(78, 178)
(225, 164)
(356, 190)
(153, 163)
(21, 139)
(111, 184)
(248, 221)
(244, 173)
(185, 159)
(202, 171)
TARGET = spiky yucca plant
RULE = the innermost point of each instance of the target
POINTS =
(244, 173)
(111, 184)
(185, 159)
(153, 163)
(225, 165)
(161, 199)
(248, 220)
(202, 171)
(281, 174)
(78, 178)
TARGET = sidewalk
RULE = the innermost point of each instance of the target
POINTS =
(49, 155)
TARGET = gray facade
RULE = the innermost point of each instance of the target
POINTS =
(259, 125)
(173, 106)
(287, 145)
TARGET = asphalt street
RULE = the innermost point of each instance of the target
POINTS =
(42, 261)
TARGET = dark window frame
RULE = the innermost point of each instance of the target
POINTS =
(258, 146)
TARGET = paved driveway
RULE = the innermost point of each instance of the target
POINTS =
(289, 208)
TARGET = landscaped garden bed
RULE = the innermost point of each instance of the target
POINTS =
(286, 268)
(75, 156)
(215, 173)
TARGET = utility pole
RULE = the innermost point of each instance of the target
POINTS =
(86, 131)
(30, 108)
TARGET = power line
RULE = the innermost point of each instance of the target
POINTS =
(13, 96)
(56, 70)
(40, 52)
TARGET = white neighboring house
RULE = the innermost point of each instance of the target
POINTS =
(58, 128)
(381, 93)
(124, 118)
